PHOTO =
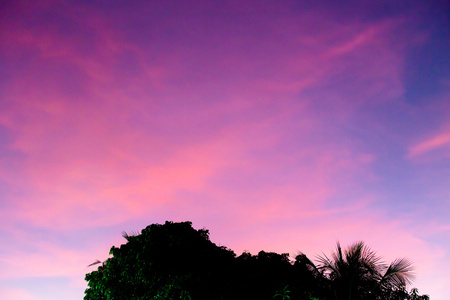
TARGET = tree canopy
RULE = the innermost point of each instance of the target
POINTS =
(176, 261)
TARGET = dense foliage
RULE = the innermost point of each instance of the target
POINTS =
(175, 261)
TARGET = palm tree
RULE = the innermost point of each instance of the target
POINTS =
(358, 273)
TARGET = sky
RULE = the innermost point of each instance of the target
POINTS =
(282, 126)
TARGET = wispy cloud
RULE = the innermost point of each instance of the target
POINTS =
(440, 141)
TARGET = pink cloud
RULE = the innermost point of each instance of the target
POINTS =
(436, 142)
(120, 147)
(65, 188)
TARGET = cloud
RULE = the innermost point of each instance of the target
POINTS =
(433, 143)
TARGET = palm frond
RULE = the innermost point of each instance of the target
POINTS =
(129, 236)
(95, 262)
(398, 274)
(325, 263)
(331, 266)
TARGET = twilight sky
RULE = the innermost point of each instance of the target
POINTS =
(278, 125)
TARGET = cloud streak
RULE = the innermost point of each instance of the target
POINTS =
(433, 143)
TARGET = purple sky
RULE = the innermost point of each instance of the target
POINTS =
(278, 125)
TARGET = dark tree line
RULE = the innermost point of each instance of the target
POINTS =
(175, 261)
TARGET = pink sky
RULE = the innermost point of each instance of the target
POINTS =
(278, 126)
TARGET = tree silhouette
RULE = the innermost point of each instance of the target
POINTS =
(175, 261)
(358, 273)
(171, 260)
